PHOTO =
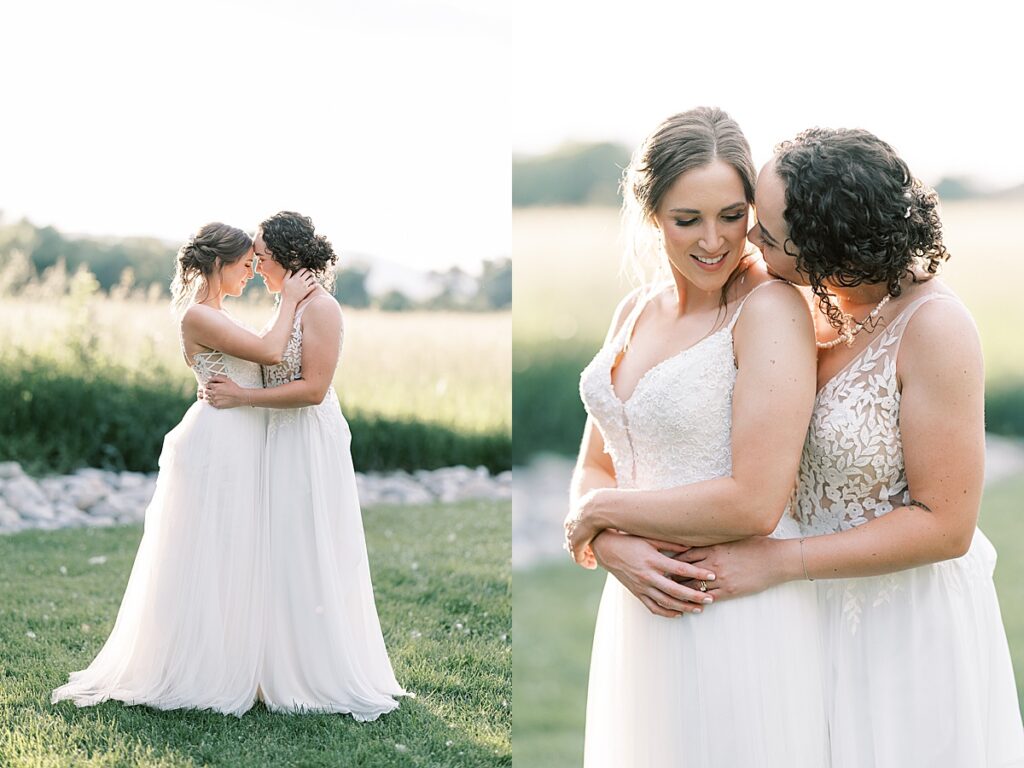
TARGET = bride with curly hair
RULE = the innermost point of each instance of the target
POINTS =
(324, 649)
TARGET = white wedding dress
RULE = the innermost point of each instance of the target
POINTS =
(918, 671)
(324, 647)
(738, 686)
(189, 629)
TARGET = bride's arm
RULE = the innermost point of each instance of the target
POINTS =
(772, 402)
(635, 562)
(321, 337)
(209, 328)
(942, 427)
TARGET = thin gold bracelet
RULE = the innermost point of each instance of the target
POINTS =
(802, 561)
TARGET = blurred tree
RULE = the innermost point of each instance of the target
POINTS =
(496, 284)
(394, 301)
(350, 287)
(575, 174)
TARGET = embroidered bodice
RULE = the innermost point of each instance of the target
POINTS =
(290, 367)
(851, 469)
(676, 426)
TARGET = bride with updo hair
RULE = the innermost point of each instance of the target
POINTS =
(187, 633)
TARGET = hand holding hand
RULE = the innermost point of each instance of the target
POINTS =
(743, 567)
(221, 392)
(651, 575)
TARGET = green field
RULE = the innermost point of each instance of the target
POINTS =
(555, 607)
(420, 389)
(441, 577)
(438, 367)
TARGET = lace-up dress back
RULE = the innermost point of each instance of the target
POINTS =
(917, 666)
(324, 650)
(740, 684)
(188, 632)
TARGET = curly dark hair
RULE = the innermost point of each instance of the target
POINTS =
(211, 247)
(293, 243)
(856, 213)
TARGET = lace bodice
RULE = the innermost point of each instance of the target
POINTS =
(290, 367)
(211, 363)
(676, 426)
(851, 469)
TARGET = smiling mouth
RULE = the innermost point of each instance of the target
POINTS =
(711, 260)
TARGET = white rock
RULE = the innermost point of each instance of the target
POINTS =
(86, 490)
(9, 518)
(105, 476)
(53, 487)
(130, 480)
(21, 492)
(98, 522)
(69, 515)
(10, 469)
(37, 512)
(114, 505)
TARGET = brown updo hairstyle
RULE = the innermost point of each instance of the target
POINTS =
(213, 246)
(682, 142)
(292, 242)
(856, 214)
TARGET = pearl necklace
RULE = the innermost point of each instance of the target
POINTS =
(850, 328)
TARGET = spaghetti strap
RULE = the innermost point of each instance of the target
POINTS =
(626, 331)
(751, 292)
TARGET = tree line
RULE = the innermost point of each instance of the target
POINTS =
(43, 262)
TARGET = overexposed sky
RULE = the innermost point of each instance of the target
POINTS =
(386, 121)
(940, 81)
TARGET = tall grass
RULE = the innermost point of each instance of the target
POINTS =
(98, 382)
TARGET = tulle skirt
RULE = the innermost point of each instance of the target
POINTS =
(737, 686)
(324, 647)
(189, 629)
(918, 671)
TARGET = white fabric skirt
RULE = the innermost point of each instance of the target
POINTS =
(189, 630)
(918, 671)
(737, 686)
(324, 647)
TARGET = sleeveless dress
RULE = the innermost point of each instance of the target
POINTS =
(918, 671)
(324, 647)
(738, 686)
(187, 634)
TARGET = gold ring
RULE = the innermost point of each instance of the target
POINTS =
(703, 585)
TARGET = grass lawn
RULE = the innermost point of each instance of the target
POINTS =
(555, 607)
(442, 578)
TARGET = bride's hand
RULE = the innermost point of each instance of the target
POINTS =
(222, 392)
(743, 567)
(642, 569)
(580, 528)
(298, 285)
